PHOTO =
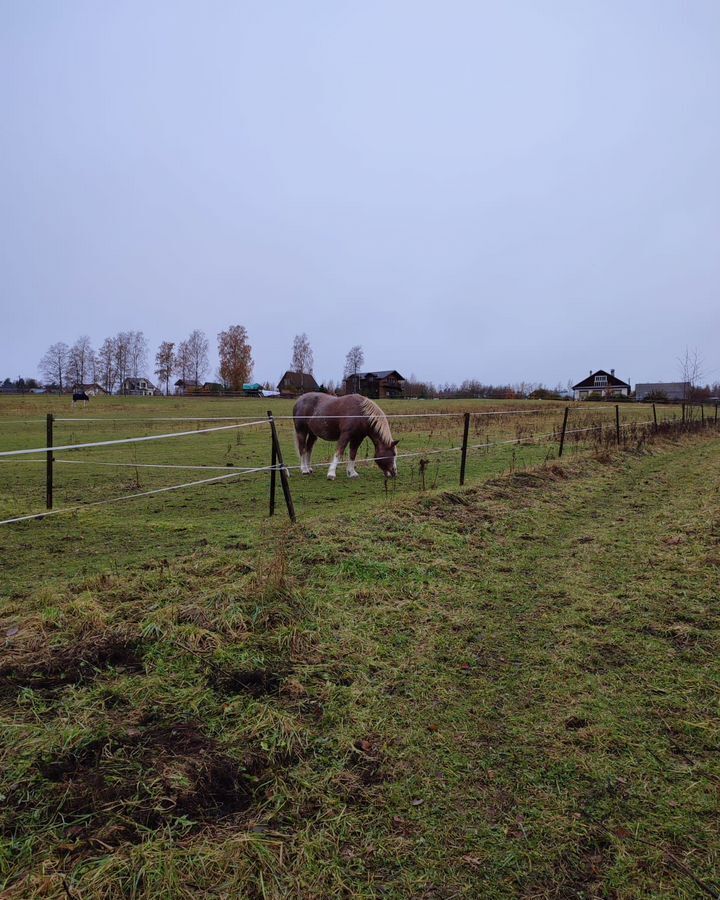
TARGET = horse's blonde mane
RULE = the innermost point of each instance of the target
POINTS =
(377, 419)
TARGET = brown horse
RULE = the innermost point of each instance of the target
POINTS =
(347, 420)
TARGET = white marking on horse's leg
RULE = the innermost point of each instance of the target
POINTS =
(351, 468)
(333, 467)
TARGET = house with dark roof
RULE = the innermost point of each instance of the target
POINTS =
(601, 383)
(292, 384)
(383, 385)
(186, 386)
(138, 387)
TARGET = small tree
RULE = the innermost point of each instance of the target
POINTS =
(137, 353)
(165, 363)
(121, 344)
(691, 367)
(105, 365)
(353, 363)
(183, 362)
(54, 364)
(235, 354)
(302, 358)
(196, 348)
(81, 360)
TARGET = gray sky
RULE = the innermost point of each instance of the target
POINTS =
(502, 190)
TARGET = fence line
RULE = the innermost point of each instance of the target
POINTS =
(162, 490)
(134, 440)
(236, 472)
(132, 465)
(439, 415)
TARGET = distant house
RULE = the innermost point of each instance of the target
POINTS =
(92, 390)
(602, 383)
(185, 386)
(664, 390)
(292, 384)
(387, 384)
(138, 387)
(213, 387)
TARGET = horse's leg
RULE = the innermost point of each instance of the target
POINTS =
(301, 438)
(337, 456)
(354, 446)
(308, 452)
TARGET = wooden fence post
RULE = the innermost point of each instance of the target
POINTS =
(655, 417)
(273, 473)
(716, 410)
(284, 480)
(49, 462)
(562, 433)
(463, 455)
(683, 412)
(702, 412)
(617, 424)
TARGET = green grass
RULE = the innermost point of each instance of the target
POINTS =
(508, 690)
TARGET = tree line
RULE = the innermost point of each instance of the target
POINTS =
(126, 355)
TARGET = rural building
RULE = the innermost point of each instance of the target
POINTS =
(92, 390)
(663, 390)
(602, 383)
(185, 386)
(292, 384)
(387, 384)
(252, 390)
(137, 387)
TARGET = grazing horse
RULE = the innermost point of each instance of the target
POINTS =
(347, 420)
(80, 397)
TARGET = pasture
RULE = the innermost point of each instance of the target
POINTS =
(504, 690)
(234, 512)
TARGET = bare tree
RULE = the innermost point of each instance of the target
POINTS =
(235, 357)
(164, 363)
(105, 369)
(183, 362)
(81, 360)
(302, 358)
(137, 354)
(197, 351)
(353, 363)
(121, 346)
(54, 364)
(691, 367)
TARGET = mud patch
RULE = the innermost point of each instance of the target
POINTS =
(256, 682)
(115, 788)
(53, 667)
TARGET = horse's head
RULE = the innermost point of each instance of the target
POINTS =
(386, 458)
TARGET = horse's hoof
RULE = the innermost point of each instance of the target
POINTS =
(331, 476)
(353, 474)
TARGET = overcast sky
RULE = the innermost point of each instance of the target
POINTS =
(504, 190)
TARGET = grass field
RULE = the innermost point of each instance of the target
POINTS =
(234, 512)
(507, 690)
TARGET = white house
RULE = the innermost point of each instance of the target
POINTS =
(602, 383)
